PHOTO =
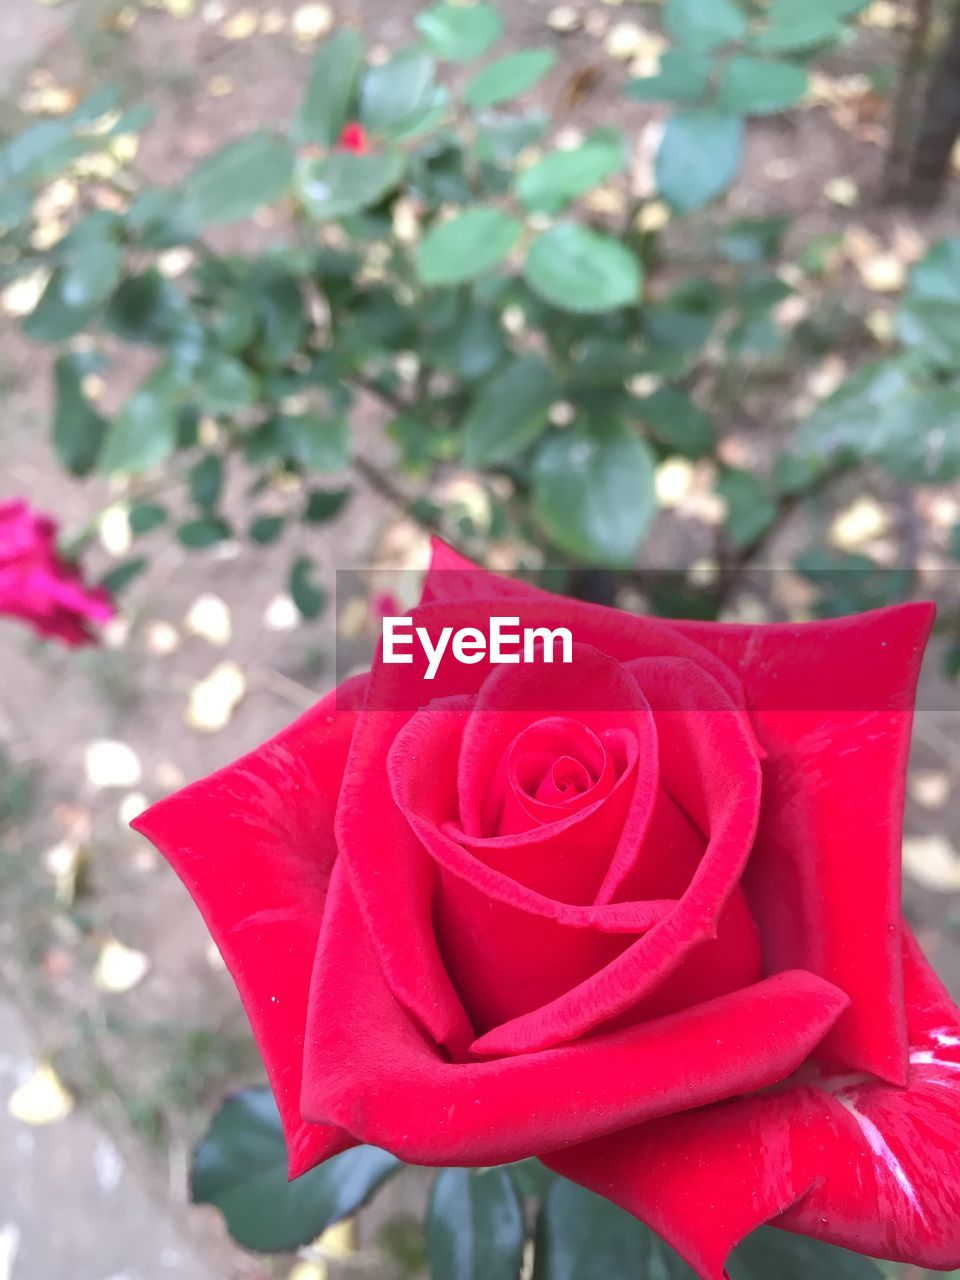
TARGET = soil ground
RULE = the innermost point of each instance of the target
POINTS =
(114, 1050)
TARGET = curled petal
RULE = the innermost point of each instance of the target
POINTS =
(254, 846)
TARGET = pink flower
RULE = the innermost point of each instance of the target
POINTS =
(38, 585)
(355, 138)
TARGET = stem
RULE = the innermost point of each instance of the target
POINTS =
(903, 108)
(939, 126)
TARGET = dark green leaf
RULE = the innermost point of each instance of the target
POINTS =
(581, 1236)
(562, 176)
(147, 308)
(531, 1178)
(279, 299)
(323, 505)
(397, 95)
(342, 184)
(241, 1167)
(683, 77)
(699, 157)
(459, 33)
(797, 26)
(937, 277)
(206, 531)
(466, 246)
(501, 136)
(583, 271)
(471, 345)
(333, 82)
(508, 77)
(55, 318)
(239, 179)
(788, 1257)
(475, 1226)
(142, 436)
(932, 326)
(206, 481)
(266, 529)
(704, 24)
(678, 423)
(750, 510)
(225, 385)
(78, 430)
(316, 443)
(144, 517)
(510, 412)
(120, 577)
(753, 86)
(309, 598)
(594, 495)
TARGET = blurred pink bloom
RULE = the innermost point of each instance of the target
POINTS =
(355, 138)
(39, 586)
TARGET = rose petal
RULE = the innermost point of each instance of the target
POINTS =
(366, 1059)
(832, 703)
(849, 1160)
(254, 846)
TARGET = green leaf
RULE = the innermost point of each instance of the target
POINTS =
(471, 344)
(511, 411)
(508, 78)
(205, 531)
(206, 481)
(753, 86)
(334, 77)
(316, 443)
(882, 414)
(704, 24)
(310, 599)
(474, 1226)
(120, 577)
(583, 271)
(283, 318)
(788, 1257)
(142, 436)
(342, 184)
(683, 77)
(581, 1236)
(531, 1178)
(397, 95)
(466, 246)
(144, 517)
(323, 505)
(937, 277)
(562, 176)
(459, 33)
(225, 385)
(240, 178)
(501, 136)
(147, 308)
(266, 529)
(594, 495)
(78, 430)
(797, 26)
(55, 317)
(699, 157)
(678, 423)
(241, 1167)
(750, 510)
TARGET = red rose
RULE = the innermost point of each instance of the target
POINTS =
(638, 916)
(354, 137)
(38, 585)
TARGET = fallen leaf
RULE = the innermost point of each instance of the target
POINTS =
(861, 522)
(281, 614)
(932, 862)
(41, 1099)
(131, 807)
(214, 700)
(241, 25)
(161, 638)
(931, 788)
(116, 536)
(219, 86)
(311, 21)
(21, 297)
(564, 19)
(209, 618)
(110, 763)
(674, 481)
(9, 1249)
(339, 1241)
(119, 968)
(843, 192)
